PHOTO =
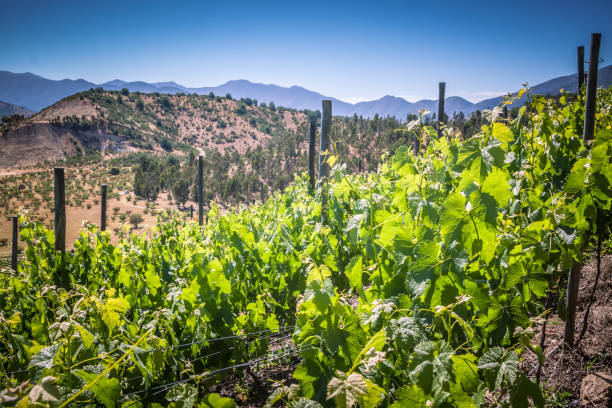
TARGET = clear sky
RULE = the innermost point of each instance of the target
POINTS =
(350, 50)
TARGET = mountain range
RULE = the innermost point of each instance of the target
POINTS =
(7, 109)
(35, 93)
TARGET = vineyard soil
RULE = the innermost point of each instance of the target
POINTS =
(565, 369)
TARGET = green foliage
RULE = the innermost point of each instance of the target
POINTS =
(136, 219)
(416, 285)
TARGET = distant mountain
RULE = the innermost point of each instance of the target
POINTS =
(552, 87)
(35, 92)
(6, 109)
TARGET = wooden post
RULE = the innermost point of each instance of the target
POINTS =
(573, 281)
(324, 145)
(441, 89)
(311, 153)
(191, 210)
(15, 243)
(103, 209)
(60, 209)
(591, 93)
(200, 192)
(580, 67)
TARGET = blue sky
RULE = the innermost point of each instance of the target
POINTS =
(350, 50)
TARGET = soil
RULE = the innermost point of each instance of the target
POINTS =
(77, 216)
(250, 387)
(564, 368)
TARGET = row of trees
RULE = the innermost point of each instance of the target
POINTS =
(232, 177)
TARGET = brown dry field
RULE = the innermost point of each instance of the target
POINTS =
(76, 216)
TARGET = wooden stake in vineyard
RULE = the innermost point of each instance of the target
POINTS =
(311, 153)
(580, 67)
(589, 111)
(324, 145)
(15, 243)
(103, 209)
(573, 279)
(200, 190)
(441, 91)
(60, 209)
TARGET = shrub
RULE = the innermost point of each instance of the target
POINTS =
(136, 219)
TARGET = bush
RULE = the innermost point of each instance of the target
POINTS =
(136, 219)
(166, 145)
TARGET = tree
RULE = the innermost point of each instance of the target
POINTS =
(180, 191)
(125, 92)
(136, 219)
(165, 144)
(165, 103)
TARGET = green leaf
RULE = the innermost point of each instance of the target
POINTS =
(106, 390)
(190, 293)
(466, 371)
(44, 358)
(396, 237)
(410, 396)
(431, 365)
(479, 238)
(346, 390)
(499, 366)
(305, 403)
(502, 133)
(355, 275)
(575, 180)
(452, 216)
(112, 311)
(523, 391)
(152, 279)
(215, 400)
(45, 391)
(496, 185)
(85, 335)
(182, 395)
(218, 278)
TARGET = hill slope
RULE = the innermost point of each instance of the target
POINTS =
(111, 122)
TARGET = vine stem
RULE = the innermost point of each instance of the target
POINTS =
(543, 337)
(103, 373)
(585, 320)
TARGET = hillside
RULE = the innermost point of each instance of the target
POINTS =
(144, 146)
(35, 92)
(115, 122)
(7, 109)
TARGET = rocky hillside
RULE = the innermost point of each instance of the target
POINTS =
(115, 122)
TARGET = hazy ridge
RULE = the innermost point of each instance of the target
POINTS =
(35, 93)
